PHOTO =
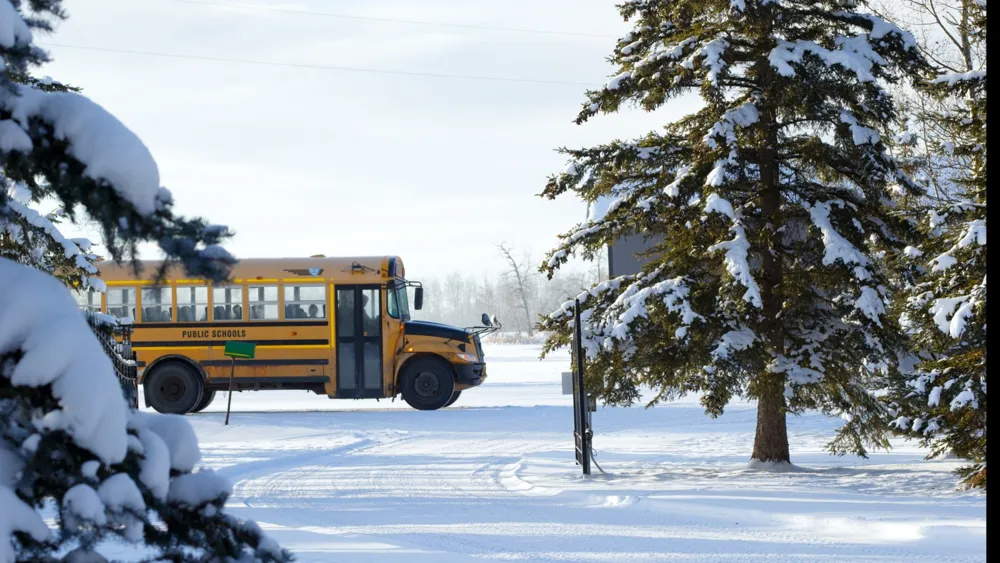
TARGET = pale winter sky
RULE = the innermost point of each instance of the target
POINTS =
(300, 161)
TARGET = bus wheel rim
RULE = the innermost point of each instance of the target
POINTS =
(426, 384)
(172, 389)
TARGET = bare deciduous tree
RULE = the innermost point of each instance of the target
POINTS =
(521, 276)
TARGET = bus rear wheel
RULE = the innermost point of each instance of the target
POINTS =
(173, 388)
(428, 384)
(206, 399)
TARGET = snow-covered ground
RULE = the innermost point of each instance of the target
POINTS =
(494, 478)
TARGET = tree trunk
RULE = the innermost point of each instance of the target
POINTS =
(771, 440)
(527, 311)
(770, 444)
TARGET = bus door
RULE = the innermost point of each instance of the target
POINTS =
(359, 341)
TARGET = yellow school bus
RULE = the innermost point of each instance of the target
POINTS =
(334, 326)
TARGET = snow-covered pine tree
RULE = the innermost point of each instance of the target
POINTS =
(70, 448)
(773, 201)
(942, 399)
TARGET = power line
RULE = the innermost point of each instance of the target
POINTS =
(319, 67)
(391, 20)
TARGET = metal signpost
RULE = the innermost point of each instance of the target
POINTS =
(242, 350)
(582, 406)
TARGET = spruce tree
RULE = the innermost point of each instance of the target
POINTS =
(69, 443)
(773, 200)
(942, 399)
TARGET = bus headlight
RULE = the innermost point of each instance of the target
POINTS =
(471, 358)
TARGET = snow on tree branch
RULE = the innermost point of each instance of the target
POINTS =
(44, 324)
(14, 32)
(79, 257)
(17, 516)
(953, 78)
(108, 149)
(736, 251)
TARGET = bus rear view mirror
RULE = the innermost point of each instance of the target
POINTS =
(486, 320)
(418, 298)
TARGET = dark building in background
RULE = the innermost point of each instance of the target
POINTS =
(622, 254)
(622, 259)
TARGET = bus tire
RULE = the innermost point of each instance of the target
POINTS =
(173, 388)
(453, 398)
(428, 384)
(206, 399)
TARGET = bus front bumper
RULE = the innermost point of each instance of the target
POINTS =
(470, 374)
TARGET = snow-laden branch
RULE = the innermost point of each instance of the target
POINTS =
(109, 150)
(836, 246)
(59, 349)
(737, 264)
(951, 315)
(855, 55)
(956, 77)
(14, 31)
(71, 249)
(975, 233)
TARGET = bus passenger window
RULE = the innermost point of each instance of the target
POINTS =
(305, 302)
(88, 300)
(121, 302)
(156, 304)
(192, 304)
(263, 302)
(227, 303)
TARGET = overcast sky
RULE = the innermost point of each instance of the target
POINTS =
(301, 161)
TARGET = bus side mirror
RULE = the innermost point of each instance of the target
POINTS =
(418, 298)
(486, 320)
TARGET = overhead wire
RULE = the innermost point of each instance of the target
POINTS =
(319, 66)
(390, 20)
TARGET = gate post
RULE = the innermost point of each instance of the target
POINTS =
(582, 433)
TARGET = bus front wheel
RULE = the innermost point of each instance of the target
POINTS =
(428, 384)
(173, 388)
(453, 398)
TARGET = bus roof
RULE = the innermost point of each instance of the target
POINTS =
(334, 268)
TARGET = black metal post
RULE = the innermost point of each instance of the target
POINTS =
(229, 403)
(135, 378)
(580, 404)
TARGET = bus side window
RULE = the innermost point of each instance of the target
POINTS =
(305, 302)
(192, 301)
(227, 303)
(88, 300)
(157, 304)
(263, 301)
(121, 302)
